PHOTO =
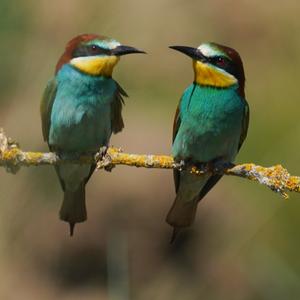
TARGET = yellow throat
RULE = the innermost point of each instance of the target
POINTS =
(96, 65)
(208, 75)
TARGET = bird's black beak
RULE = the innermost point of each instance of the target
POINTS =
(194, 53)
(123, 50)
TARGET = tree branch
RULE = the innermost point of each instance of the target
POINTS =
(276, 177)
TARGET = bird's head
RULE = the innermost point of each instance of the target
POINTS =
(215, 65)
(94, 54)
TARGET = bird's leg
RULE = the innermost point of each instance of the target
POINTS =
(103, 159)
(219, 165)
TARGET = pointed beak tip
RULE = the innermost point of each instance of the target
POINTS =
(123, 50)
(141, 51)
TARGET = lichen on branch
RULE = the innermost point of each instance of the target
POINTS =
(277, 178)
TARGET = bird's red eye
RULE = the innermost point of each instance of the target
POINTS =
(220, 61)
(94, 47)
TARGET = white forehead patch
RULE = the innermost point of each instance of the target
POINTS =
(209, 51)
(106, 44)
(113, 44)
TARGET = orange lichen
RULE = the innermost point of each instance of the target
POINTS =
(116, 156)
(10, 155)
(293, 184)
(34, 157)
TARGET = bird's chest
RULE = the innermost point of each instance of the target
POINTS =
(210, 126)
(81, 115)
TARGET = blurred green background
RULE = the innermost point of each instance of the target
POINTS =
(245, 243)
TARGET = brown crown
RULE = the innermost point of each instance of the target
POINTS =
(72, 45)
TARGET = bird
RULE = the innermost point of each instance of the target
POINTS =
(80, 109)
(210, 125)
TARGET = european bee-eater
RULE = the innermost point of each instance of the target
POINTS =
(80, 109)
(210, 124)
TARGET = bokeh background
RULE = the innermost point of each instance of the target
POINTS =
(245, 243)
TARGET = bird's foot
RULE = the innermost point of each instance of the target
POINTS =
(201, 167)
(102, 151)
(194, 167)
(103, 159)
(179, 165)
(219, 166)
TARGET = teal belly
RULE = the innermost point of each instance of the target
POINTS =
(211, 122)
(81, 128)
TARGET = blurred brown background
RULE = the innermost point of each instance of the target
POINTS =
(245, 243)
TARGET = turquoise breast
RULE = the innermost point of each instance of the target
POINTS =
(81, 112)
(211, 123)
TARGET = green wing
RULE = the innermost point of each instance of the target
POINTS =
(176, 125)
(245, 124)
(117, 123)
(46, 107)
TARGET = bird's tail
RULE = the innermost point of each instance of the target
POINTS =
(73, 209)
(182, 213)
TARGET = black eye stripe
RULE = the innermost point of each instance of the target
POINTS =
(90, 50)
(225, 63)
(215, 60)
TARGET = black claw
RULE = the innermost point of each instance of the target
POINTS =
(103, 151)
(180, 165)
(175, 233)
(72, 226)
(219, 166)
(103, 159)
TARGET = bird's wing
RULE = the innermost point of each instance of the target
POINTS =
(46, 107)
(117, 123)
(215, 178)
(176, 125)
(245, 124)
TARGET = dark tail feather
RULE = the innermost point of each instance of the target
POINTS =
(182, 213)
(175, 233)
(73, 208)
(72, 227)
